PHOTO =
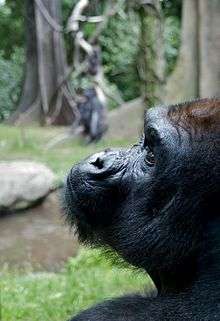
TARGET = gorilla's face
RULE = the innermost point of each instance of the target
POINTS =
(147, 202)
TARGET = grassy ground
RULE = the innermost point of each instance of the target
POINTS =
(88, 278)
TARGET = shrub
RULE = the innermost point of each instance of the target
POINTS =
(10, 81)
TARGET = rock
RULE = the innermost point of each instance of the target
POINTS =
(23, 183)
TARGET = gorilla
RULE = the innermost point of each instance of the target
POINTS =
(92, 115)
(156, 205)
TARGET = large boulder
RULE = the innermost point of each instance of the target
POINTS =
(23, 183)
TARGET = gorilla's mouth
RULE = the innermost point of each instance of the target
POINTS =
(92, 185)
(87, 203)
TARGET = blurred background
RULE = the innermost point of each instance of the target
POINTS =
(75, 77)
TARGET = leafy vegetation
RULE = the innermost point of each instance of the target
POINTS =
(11, 27)
(172, 42)
(119, 43)
(10, 81)
(120, 50)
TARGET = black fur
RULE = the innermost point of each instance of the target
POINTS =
(156, 205)
(92, 115)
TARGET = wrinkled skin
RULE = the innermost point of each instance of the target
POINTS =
(155, 204)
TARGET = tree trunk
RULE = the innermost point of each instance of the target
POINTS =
(44, 99)
(183, 83)
(209, 14)
(151, 53)
(197, 73)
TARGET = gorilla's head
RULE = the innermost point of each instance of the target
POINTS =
(151, 202)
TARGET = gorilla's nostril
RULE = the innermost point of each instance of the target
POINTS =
(99, 163)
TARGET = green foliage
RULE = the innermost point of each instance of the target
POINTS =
(119, 42)
(120, 47)
(67, 6)
(10, 81)
(11, 27)
(172, 8)
(172, 42)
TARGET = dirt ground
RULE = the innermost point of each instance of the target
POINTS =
(37, 237)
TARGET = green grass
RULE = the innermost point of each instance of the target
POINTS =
(88, 278)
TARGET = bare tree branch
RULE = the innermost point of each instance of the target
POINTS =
(85, 45)
(95, 19)
(73, 21)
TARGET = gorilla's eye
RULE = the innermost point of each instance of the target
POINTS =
(150, 139)
(150, 158)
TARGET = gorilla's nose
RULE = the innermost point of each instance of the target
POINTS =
(98, 161)
(99, 166)
(102, 162)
